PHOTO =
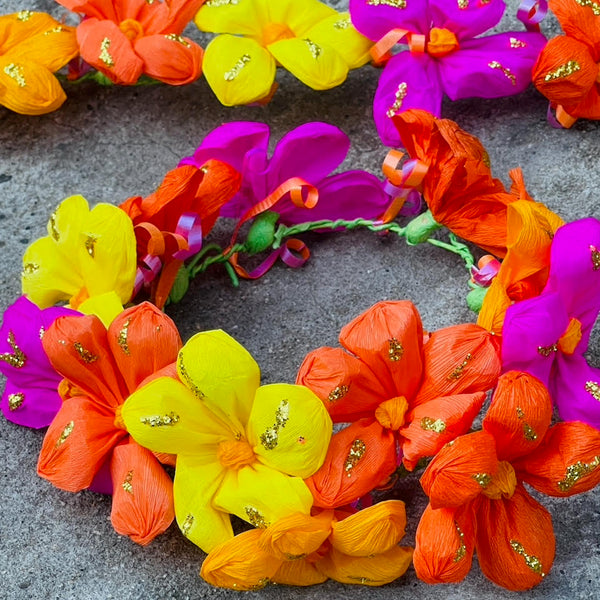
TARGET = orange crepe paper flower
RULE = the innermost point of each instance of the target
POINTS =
(405, 398)
(102, 368)
(458, 186)
(524, 271)
(33, 46)
(477, 498)
(127, 38)
(360, 548)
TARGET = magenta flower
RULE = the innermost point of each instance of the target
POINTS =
(31, 393)
(310, 152)
(444, 56)
(548, 336)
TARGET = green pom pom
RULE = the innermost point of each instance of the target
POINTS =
(262, 233)
(475, 298)
(421, 228)
(181, 285)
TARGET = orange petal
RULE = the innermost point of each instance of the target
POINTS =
(566, 463)
(515, 541)
(92, 8)
(142, 506)
(579, 21)
(435, 423)
(298, 572)
(519, 415)
(360, 457)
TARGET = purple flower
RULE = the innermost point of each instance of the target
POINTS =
(548, 336)
(31, 394)
(444, 56)
(310, 152)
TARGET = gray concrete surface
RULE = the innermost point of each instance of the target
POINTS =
(109, 144)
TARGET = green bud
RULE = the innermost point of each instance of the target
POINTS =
(475, 298)
(181, 285)
(421, 228)
(262, 233)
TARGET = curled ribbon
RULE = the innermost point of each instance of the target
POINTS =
(381, 50)
(294, 253)
(532, 12)
(562, 119)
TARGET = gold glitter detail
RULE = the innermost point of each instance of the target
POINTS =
(546, 351)
(295, 556)
(127, 483)
(42, 332)
(337, 393)
(533, 562)
(15, 400)
(395, 350)
(315, 49)
(563, 71)
(239, 65)
(177, 38)
(343, 23)
(593, 388)
(85, 355)
(515, 43)
(576, 472)
(270, 438)
(400, 95)
(528, 431)
(255, 518)
(150, 2)
(24, 15)
(17, 358)
(496, 65)
(90, 243)
(462, 548)
(66, 432)
(29, 268)
(186, 377)
(161, 421)
(221, 2)
(357, 451)
(392, 3)
(595, 258)
(15, 72)
(187, 524)
(53, 229)
(459, 371)
(122, 337)
(483, 479)
(485, 159)
(361, 580)
(262, 583)
(105, 56)
(58, 29)
(590, 4)
(463, 4)
(429, 424)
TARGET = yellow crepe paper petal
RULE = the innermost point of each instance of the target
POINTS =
(299, 15)
(298, 572)
(106, 307)
(238, 70)
(18, 28)
(245, 17)
(289, 429)
(222, 373)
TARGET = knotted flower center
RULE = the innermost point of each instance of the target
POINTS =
(275, 32)
(235, 454)
(503, 483)
(390, 413)
(118, 422)
(441, 42)
(132, 29)
(571, 337)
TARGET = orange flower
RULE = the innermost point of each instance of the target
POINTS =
(127, 38)
(477, 498)
(303, 550)
(32, 47)
(396, 391)
(103, 368)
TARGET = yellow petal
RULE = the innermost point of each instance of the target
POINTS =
(222, 373)
(289, 429)
(245, 17)
(299, 15)
(106, 307)
(298, 572)
(18, 28)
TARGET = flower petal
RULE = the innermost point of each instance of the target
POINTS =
(578, 21)
(30, 406)
(92, 8)
(375, 19)
(299, 15)
(243, 18)
(466, 20)
(298, 572)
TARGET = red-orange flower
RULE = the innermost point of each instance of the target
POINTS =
(397, 392)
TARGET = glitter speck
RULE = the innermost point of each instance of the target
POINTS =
(533, 562)
(496, 65)
(315, 49)
(85, 355)
(221, 2)
(66, 432)
(546, 351)
(595, 6)
(17, 358)
(15, 72)
(343, 23)
(357, 451)
(595, 258)
(392, 3)
(177, 38)
(515, 43)
(576, 472)
(483, 479)
(593, 388)
(395, 350)
(255, 518)
(168, 420)
(239, 65)
(429, 424)
(187, 524)
(15, 401)
(563, 71)
(459, 371)
(90, 243)
(462, 548)
(399, 99)
(105, 56)
(24, 15)
(122, 337)
(337, 393)
(270, 438)
(127, 486)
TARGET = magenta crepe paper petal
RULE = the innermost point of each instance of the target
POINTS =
(102, 482)
(40, 404)
(472, 20)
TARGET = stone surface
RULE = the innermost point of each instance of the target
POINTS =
(110, 144)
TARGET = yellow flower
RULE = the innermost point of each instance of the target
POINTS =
(32, 47)
(241, 449)
(85, 254)
(311, 40)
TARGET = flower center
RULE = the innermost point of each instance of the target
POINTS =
(132, 29)
(81, 296)
(503, 483)
(118, 422)
(571, 337)
(235, 454)
(441, 42)
(390, 413)
(275, 32)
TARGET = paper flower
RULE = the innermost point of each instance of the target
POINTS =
(86, 253)
(548, 335)
(445, 56)
(360, 548)
(241, 448)
(31, 395)
(309, 152)
(477, 498)
(103, 367)
(126, 38)
(311, 40)
(33, 46)
(566, 71)
(396, 392)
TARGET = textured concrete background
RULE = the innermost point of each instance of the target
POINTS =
(109, 144)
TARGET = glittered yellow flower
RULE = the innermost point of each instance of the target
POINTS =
(241, 449)
(32, 47)
(311, 40)
(85, 254)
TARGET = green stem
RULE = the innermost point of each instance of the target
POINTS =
(198, 257)
(223, 257)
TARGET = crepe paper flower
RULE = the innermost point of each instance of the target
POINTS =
(311, 40)
(359, 548)
(241, 448)
(487, 268)
(30, 395)
(127, 38)
(171, 222)
(566, 71)
(445, 55)
(548, 335)
(477, 498)
(86, 253)
(524, 270)
(104, 366)
(404, 398)
(33, 46)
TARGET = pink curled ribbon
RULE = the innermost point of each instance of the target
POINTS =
(294, 253)
(531, 13)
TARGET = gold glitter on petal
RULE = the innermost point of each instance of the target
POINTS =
(533, 562)
(66, 432)
(463, 4)
(483, 479)
(104, 55)
(459, 371)
(337, 393)
(357, 451)
(399, 99)
(255, 518)
(85, 355)
(563, 71)
(58, 29)
(15, 72)
(15, 401)
(576, 472)
(515, 43)
(270, 438)
(42, 332)
(90, 244)
(343, 23)
(17, 358)
(595, 258)
(262, 583)
(29, 269)
(24, 15)
(187, 524)
(239, 65)
(546, 351)
(221, 2)
(395, 350)
(122, 337)
(528, 432)
(177, 38)
(315, 49)
(593, 388)
(126, 485)
(429, 424)
(507, 72)
(392, 3)
(461, 551)
(590, 4)
(53, 229)
(189, 382)
(168, 420)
